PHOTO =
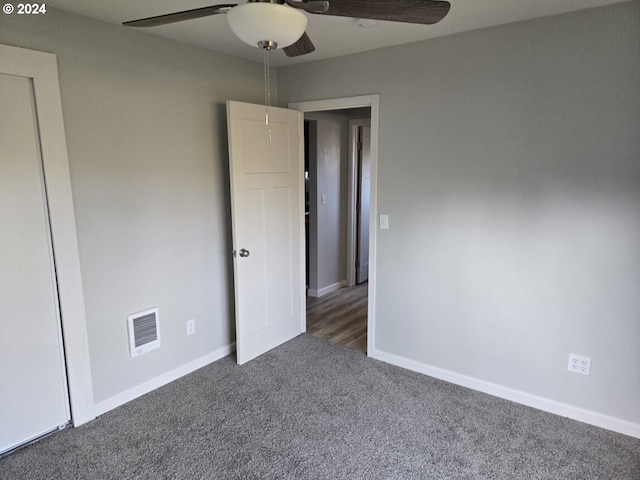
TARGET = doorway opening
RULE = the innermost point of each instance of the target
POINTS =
(340, 172)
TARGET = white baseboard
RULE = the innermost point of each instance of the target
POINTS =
(326, 290)
(582, 415)
(150, 385)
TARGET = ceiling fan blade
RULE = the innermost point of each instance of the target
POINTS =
(426, 12)
(303, 46)
(180, 16)
(310, 6)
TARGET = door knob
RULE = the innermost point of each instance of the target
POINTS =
(244, 253)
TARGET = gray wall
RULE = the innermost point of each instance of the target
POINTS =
(509, 166)
(146, 132)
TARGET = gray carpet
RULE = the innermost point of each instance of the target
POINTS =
(313, 410)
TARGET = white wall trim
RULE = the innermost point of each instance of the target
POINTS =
(328, 289)
(150, 385)
(372, 101)
(42, 68)
(582, 415)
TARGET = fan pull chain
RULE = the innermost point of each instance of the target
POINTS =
(267, 91)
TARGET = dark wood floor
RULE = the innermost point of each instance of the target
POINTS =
(340, 317)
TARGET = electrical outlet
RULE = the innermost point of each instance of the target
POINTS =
(579, 364)
(191, 326)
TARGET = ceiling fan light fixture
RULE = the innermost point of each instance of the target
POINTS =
(260, 24)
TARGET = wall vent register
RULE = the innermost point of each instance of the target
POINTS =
(144, 331)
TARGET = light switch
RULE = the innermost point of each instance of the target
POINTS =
(384, 222)
(323, 199)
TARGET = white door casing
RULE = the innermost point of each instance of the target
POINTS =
(372, 101)
(267, 209)
(364, 196)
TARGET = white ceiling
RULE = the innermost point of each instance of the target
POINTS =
(332, 36)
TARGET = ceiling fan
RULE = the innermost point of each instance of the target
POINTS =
(269, 24)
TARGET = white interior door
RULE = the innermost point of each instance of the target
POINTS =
(33, 390)
(364, 197)
(267, 206)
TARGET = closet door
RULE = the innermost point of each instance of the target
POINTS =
(33, 388)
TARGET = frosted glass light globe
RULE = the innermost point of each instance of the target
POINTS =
(258, 22)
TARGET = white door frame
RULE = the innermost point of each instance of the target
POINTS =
(352, 198)
(372, 101)
(42, 69)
